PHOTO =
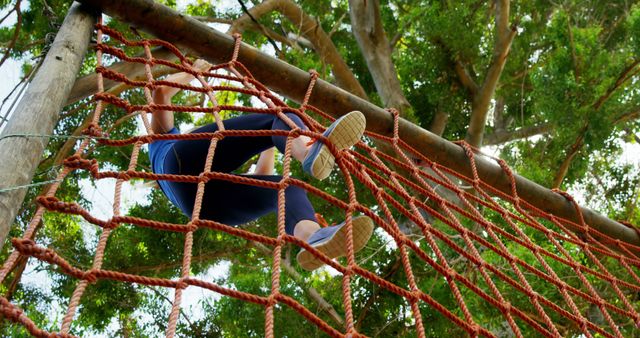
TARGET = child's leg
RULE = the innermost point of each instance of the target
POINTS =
(233, 152)
(235, 204)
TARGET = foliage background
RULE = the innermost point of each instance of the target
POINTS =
(564, 111)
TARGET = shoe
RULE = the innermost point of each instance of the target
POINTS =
(332, 241)
(343, 133)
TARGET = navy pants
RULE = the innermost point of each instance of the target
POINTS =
(234, 203)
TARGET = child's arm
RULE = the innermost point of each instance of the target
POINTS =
(162, 120)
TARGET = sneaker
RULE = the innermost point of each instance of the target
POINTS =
(332, 241)
(343, 133)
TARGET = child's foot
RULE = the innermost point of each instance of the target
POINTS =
(343, 133)
(332, 241)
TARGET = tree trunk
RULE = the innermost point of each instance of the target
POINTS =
(482, 99)
(439, 122)
(374, 45)
(37, 112)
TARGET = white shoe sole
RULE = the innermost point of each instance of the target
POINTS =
(336, 246)
(347, 133)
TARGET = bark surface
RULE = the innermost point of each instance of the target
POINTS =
(37, 112)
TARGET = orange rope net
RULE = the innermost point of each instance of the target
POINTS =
(510, 240)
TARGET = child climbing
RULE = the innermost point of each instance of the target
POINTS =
(235, 203)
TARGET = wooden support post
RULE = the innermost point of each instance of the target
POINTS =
(37, 112)
(292, 82)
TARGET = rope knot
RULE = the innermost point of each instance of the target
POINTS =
(47, 202)
(450, 273)
(77, 162)
(584, 323)
(47, 255)
(296, 132)
(271, 301)
(181, 284)
(416, 294)
(25, 245)
(146, 139)
(151, 85)
(93, 130)
(379, 192)
(475, 328)
(123, 175)
(111, 223)
(203, 177)
(192, 226)
(90, 276)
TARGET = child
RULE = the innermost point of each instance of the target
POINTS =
(234, 203)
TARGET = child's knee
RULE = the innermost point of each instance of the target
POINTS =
(296, 119)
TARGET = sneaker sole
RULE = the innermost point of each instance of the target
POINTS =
(347, 133)
(336, 246)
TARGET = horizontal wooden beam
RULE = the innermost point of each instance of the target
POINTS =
(88, 85)
(291, 82)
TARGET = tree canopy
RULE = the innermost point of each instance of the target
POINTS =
(552, 87)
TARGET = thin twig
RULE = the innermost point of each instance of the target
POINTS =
(273, 43)
(159, 294)
(15, 33)
(15, 100)
(7, 15)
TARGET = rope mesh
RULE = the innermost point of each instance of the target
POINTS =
(462, 222)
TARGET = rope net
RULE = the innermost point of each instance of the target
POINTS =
(459, 223)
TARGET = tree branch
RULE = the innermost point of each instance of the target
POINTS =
(439, 122)
(184, 315)
(309, 290)
(203, 257)
(466, 78)
(367, 27)
(273, 43)
(503, 136)
(481, 102)
(628, 116)
(389, 271)
(311, 30)
(625, 75)
(571, 153)
(574, 56)
(632, 135)
(23, 84)
(212, 19)
(16, 33)
(403, 29)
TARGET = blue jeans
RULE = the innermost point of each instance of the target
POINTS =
(229, 202)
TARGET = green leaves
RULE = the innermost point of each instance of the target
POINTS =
(573, 65)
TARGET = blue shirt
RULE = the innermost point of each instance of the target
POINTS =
(158, 151)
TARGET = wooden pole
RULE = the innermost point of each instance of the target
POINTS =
(292, 82)
(37, 112)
